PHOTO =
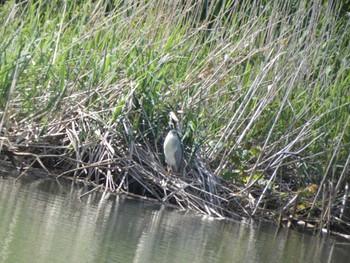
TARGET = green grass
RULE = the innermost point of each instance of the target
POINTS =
(264, 85)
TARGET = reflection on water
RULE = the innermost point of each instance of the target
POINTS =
(44, 221)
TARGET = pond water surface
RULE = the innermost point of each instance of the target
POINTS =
(43, 220)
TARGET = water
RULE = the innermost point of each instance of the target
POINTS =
(42, 220)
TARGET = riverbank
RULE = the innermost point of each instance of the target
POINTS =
(261, 91)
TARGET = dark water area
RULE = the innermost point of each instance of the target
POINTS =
(43, 220)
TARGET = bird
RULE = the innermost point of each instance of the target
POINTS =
(173, 151)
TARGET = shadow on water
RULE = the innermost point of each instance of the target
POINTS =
(43, 220)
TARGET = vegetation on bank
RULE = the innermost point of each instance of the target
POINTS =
(261, 88)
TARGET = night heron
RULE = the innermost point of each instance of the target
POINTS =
(173, 151)
(172, 146)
